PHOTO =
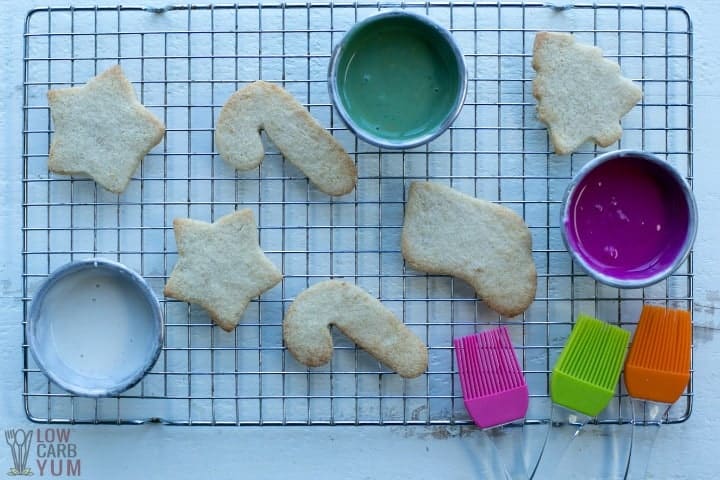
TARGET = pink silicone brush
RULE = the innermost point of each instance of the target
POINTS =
(493, 386)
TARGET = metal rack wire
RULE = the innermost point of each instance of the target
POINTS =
(185, 61)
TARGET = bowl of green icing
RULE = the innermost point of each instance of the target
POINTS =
(397, 79)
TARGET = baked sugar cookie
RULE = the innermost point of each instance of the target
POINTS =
(360, 316)
(101, 130)
(220, 266)
(487, 245)
(581, 95)
(298, 136)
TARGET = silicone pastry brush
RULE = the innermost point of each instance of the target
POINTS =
(495, 392)
(582, 384)
(657, 372)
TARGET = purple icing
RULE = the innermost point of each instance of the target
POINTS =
(627, 219)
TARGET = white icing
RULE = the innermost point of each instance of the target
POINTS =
(95, 328)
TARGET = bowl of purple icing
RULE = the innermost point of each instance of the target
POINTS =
(629, 219)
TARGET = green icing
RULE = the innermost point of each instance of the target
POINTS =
(397, 79)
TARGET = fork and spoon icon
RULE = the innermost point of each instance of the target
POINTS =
(19, 441)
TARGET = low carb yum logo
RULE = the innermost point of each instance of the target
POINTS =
(56, 454)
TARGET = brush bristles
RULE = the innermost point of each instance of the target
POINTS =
(658, 365)
(487, 363)
(594, 352)
(662, 340)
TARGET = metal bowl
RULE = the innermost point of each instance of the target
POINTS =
(408, 24)
(631, 250)
(95, 327)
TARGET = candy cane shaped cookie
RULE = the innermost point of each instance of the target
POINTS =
(298, 136)
(306, 328)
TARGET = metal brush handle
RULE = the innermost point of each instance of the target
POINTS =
(509, 443)
(647, 418)
(557, 440)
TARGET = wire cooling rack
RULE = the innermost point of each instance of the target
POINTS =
(185, 61)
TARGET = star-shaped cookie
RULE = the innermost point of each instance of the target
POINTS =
(101, 130)
(220, 266)
(581, 95)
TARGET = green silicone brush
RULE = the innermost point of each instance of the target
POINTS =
(582, 383)
(587, 372)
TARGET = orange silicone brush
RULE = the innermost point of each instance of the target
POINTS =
(657, 371)
(658, 365)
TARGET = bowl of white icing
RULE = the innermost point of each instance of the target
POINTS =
(95, 327)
